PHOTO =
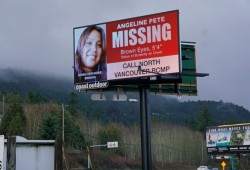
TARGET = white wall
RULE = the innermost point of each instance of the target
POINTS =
(33, 154)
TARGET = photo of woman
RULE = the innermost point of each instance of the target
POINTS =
(90, 56)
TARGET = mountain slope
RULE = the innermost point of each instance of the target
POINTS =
(22, 82)
(161, 108)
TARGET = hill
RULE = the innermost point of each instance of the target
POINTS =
(23, 82)
(162, 108)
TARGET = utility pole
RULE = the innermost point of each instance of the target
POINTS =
(202, 152)
(63, 152)
(89, 159)
(62, 123)
(3, 104)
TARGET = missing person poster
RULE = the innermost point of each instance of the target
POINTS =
(116, 50)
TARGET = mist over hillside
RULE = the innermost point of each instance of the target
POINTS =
(168, 109)
(23, 81)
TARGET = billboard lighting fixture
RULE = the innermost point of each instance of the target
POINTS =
(240, 124)
(184, 57)
(133, 100)
(153, 78)
(99, 97)
(119, 97)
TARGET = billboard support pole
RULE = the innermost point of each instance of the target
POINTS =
(232, 161)
(145, 128)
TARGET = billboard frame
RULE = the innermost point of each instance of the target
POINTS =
(228, 139)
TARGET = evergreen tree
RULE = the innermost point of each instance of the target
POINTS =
(204, 120)
(73, 136)
(14, 120)
(50, 127)
(34, 98)
(191, 123)
(72, 102)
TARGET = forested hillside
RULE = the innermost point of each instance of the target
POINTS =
(22, 82)
(32, 106)
(162, 108)
(41, 120)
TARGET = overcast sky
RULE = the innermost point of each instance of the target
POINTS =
(38, 35)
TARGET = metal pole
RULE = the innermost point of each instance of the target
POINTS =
(232, 161)
(3, 104)
(89, 161)
(11, 153)
(145, 128)
(202, 151)
(62, 123)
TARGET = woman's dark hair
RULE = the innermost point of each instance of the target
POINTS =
(101, 66)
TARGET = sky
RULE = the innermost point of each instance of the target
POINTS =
(37, 35)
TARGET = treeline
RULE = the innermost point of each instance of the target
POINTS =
(162, 108)
(33, 117)
(195, 115)
(33, 108)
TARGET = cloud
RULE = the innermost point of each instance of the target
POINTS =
(38, 35)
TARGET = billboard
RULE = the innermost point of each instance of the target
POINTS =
(186, 86)
(125, 50)
(228, 139)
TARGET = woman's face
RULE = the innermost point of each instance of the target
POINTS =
(92, 50)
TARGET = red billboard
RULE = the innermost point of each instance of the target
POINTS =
(114, 50)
